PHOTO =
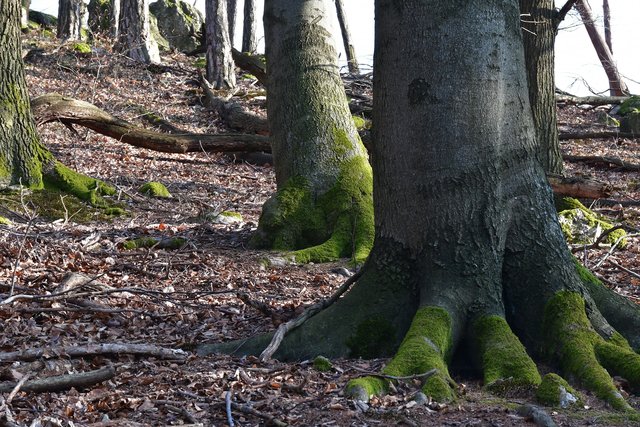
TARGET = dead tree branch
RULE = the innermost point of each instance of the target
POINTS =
(93, 350)
(63, 382)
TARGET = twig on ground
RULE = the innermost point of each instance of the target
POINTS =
(227, 401)
(626, 270)
(92, 350)
(64, 382)
(308, 313)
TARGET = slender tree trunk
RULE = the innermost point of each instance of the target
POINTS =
(134, 32)
(323, 205)
(249, 41)
(539, 33)
(115, 18)
(467, 239)
(220, 70)
(70, 14)
(606, 18)
(24, 18)
(232, 13)
(349, 49)
(103, 18)
(617, 86)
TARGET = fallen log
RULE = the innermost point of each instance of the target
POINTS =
(254, 64)
(63, 382)
(69, 111)
(619, 164)
(93, 350)
(590, 100)
(563, 136)
(578, 187)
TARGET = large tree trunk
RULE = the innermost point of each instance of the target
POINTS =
(323, 206)
(249, 40)
(467, 240)
(23, 160)
(220, 67)
(617, 86)
(70, 14)
(539, 33)
(349, 49)
(134, 37)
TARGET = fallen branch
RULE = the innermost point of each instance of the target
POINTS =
(69, 111)
(63, 382)
(308, 313)
(607, 161)
(590, 100)
(601, 134)
(254, 64)
(93, 350)
(578, 187)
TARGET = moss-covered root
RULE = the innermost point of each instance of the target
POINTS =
(555, 391)
(426, 346)
(505, 362)
(58, 176)
(333, 225)
(582, 353)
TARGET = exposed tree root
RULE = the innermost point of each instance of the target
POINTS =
(69, 111)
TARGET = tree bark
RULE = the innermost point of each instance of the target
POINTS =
(606, 18)
(220, 67)
(469, 254)
(249, 39)
(103, 17)
(70, 14)
(232, 13)
(69, 111)
(134, 34)
(24, 18)
(323, 206)
(538, 34)
(617, 86)
(349, 49)
(115, 18)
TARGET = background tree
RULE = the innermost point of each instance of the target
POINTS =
(70, 14)
(24, 18)
(349, 49)
(103, 17)
(134, 35)
(24, 161)
(232, 13)
(249, 40)
(323, 206)
(606, 20)
(469, 253)
(220, 71)
(617, 86)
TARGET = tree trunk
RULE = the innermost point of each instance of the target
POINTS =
(24, 18)
(23, 160)
(323, 206)
(469, 255)
(249, 40)
(220, 67)
(606, 18)
(232, 8)
(70, 14)
(539, 33)
(349, 49)
(134, 37)
(115, 18)
(102, 17)
(617, 86)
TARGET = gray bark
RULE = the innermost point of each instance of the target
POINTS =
(24, 18)
(134, 32)
(232, 9)
(19, 148)
(249, 41)
(349, 49)
(606, 18)
(115, 18)
(538, 33)
(70, 13)
(220, 66)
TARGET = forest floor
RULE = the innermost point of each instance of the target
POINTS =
(179, 298)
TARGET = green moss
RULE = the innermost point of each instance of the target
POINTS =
(82, 186)
(372, 338)
(201, 62)
(505, 361)
(322, 364)
(366, 387)
(152, 242)
(427, 345)
(632, 104)
(619, 360)
(571, 338)
(4, 221)
(48, 33)
(578, 223)
(361, 123)
(82, 48)
(555, 391)
(155, 189)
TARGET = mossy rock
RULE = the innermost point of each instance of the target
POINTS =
(632, 104)
(82, 48)
(555, 391)
(155, 189)
(583, 227)
(322, 364)
(153, 242)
